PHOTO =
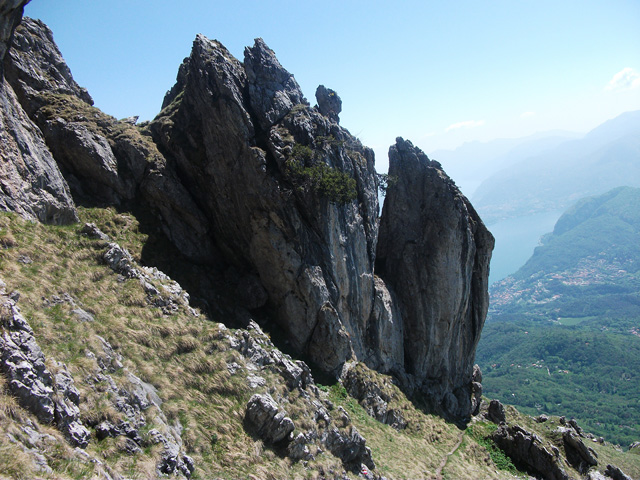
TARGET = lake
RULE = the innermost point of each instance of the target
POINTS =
(516, 238)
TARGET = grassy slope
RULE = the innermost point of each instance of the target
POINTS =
(185, 358)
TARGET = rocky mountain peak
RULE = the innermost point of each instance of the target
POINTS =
(34, 43)
(273, 91)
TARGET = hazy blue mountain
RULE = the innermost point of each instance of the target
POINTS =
(563, 332)
(473, 162)
(607, 157)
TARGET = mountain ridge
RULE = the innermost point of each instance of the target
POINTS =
(603, 159)
(265, 209)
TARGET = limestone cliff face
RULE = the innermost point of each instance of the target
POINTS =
(30, 182)
(434, 251)
(246, 143)
(244, 176)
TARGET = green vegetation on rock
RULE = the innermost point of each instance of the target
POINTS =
(305, 171)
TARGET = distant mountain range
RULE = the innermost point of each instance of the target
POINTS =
(563, 332)
(474, 162)
(552, 173)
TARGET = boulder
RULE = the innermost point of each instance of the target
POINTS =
(329, 103)
(527, 449)
(268, 422)
(495, 412)
(615, 473)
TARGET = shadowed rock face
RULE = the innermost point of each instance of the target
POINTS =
(231, 130)
(10, 16)
(434, 252)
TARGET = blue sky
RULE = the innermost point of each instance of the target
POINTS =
(437, 73)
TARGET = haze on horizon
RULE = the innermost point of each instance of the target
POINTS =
(436, 74)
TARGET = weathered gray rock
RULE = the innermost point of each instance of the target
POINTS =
(259, 351)
(329, 103)
(298, 449)
(82, 315)
(33, 45)
(526, 448)
(434, 252)
(313, 257)
(578, 454)
(104, 160)
(273, 91)
(120, 261)
(573, 424)
(616, 474)
(385, 331)
(373, 398)
(595, 475)
(495, 412)
(267, 421)
(350, 447)
(83, 140)
(67, 411)
(22, 361)
(87, 157)
(30, 182)
(10, 16)
(134, 398)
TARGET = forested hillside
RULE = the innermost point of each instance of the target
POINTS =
(563, 334)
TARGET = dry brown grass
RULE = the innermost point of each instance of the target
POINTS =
(185, 358)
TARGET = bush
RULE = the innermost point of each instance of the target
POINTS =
(331, 183)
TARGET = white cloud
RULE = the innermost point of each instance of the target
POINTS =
(625, 79)
(527, 114)
(466, 124)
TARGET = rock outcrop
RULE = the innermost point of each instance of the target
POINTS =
(615, 473)
(528, 449)
(247, 146)
(244, 176)
(578, 454)
(10, 16)
(269, 423)
(30, 182)
(434, 252)
(50, 398)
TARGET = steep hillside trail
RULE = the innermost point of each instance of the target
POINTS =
(444, 461)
